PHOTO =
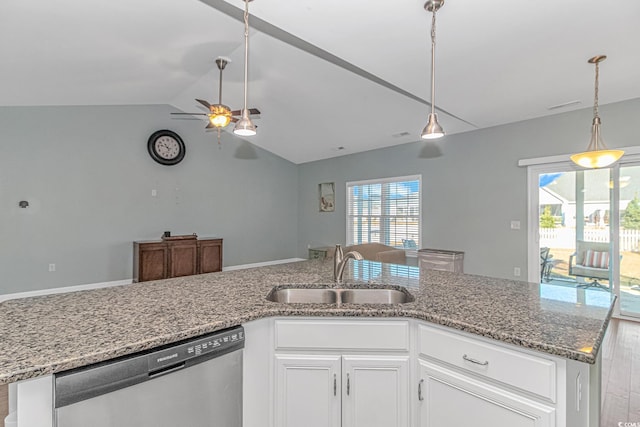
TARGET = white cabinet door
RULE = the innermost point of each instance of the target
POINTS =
(375, 391)
(451, 399)
(307, 391)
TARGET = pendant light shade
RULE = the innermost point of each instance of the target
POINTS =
(244, 126)
(433, 130)
(597, 154)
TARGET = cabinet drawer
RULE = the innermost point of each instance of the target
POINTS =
(342, 335)
(530, 373)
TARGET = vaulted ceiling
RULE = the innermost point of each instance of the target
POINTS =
(324, 73)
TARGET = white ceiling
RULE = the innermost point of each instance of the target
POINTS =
(324, 73)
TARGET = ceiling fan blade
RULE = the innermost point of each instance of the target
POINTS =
(210, 126)
(239, 112)
(234, 119)
(205, 103)
(189, 114)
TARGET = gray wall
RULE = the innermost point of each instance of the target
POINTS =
(87, 176)
(472, 191)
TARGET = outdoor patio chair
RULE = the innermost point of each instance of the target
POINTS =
(591, 260)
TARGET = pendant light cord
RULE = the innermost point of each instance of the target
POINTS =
(433, 61)
(595, 98)
(246, 51)
(598, 144)
(220, 88)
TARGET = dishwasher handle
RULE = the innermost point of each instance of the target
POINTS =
(167, 370)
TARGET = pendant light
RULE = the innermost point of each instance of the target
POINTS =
(597, 154)
(433, 129)
(244, 126)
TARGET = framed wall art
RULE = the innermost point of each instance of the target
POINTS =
(327, 196)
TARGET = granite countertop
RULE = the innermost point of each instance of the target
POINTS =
(53, 333)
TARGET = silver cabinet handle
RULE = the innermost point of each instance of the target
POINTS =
(477, 362)
(335, 385)
(348, 385)
(420, 397)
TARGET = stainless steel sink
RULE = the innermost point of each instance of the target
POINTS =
(303, 295)
(339, 296)
(373, 296)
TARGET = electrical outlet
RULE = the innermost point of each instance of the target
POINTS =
(515, 225)
(154, 193)
(516, 271)
(52, 267)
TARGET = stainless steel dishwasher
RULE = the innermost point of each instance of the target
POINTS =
(196, 383)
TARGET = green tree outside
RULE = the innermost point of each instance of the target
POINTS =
(631, 216)
(547, 220)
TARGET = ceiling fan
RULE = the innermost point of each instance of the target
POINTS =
(219, 114)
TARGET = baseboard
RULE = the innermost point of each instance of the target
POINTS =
(262, 264)
(40, 292)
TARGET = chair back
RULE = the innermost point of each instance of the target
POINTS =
(544, 255)
(582, 247)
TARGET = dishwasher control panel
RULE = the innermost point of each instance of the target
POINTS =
(217, 342)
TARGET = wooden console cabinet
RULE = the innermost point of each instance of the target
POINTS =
(163, 259)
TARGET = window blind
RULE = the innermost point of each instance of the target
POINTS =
(384, 211)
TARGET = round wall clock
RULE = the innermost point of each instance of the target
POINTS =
(166, 147)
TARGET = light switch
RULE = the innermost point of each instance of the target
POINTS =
(515, 225)
(154, 193)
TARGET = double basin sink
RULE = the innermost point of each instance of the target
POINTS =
(293, 295)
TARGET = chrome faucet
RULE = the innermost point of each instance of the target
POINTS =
(337, 259)
(340, 261)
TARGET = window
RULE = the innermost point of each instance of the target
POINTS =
(384, 211)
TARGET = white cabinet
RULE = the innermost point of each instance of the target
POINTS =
(308, 391)
(469, 381)
(453, 399)
(532, 374)
(325, 372)
(335, 390)
(349, 373)
(376, 393)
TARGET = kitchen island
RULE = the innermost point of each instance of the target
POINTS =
(49, 334)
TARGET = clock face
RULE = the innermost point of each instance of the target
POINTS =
(166, 147)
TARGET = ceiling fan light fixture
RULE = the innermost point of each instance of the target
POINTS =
(432, 130)
(244, 126)
(220, 115)
(597, 154)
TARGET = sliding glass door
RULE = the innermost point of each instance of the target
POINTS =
(629, 239)
(574, 227)
(585, 230)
